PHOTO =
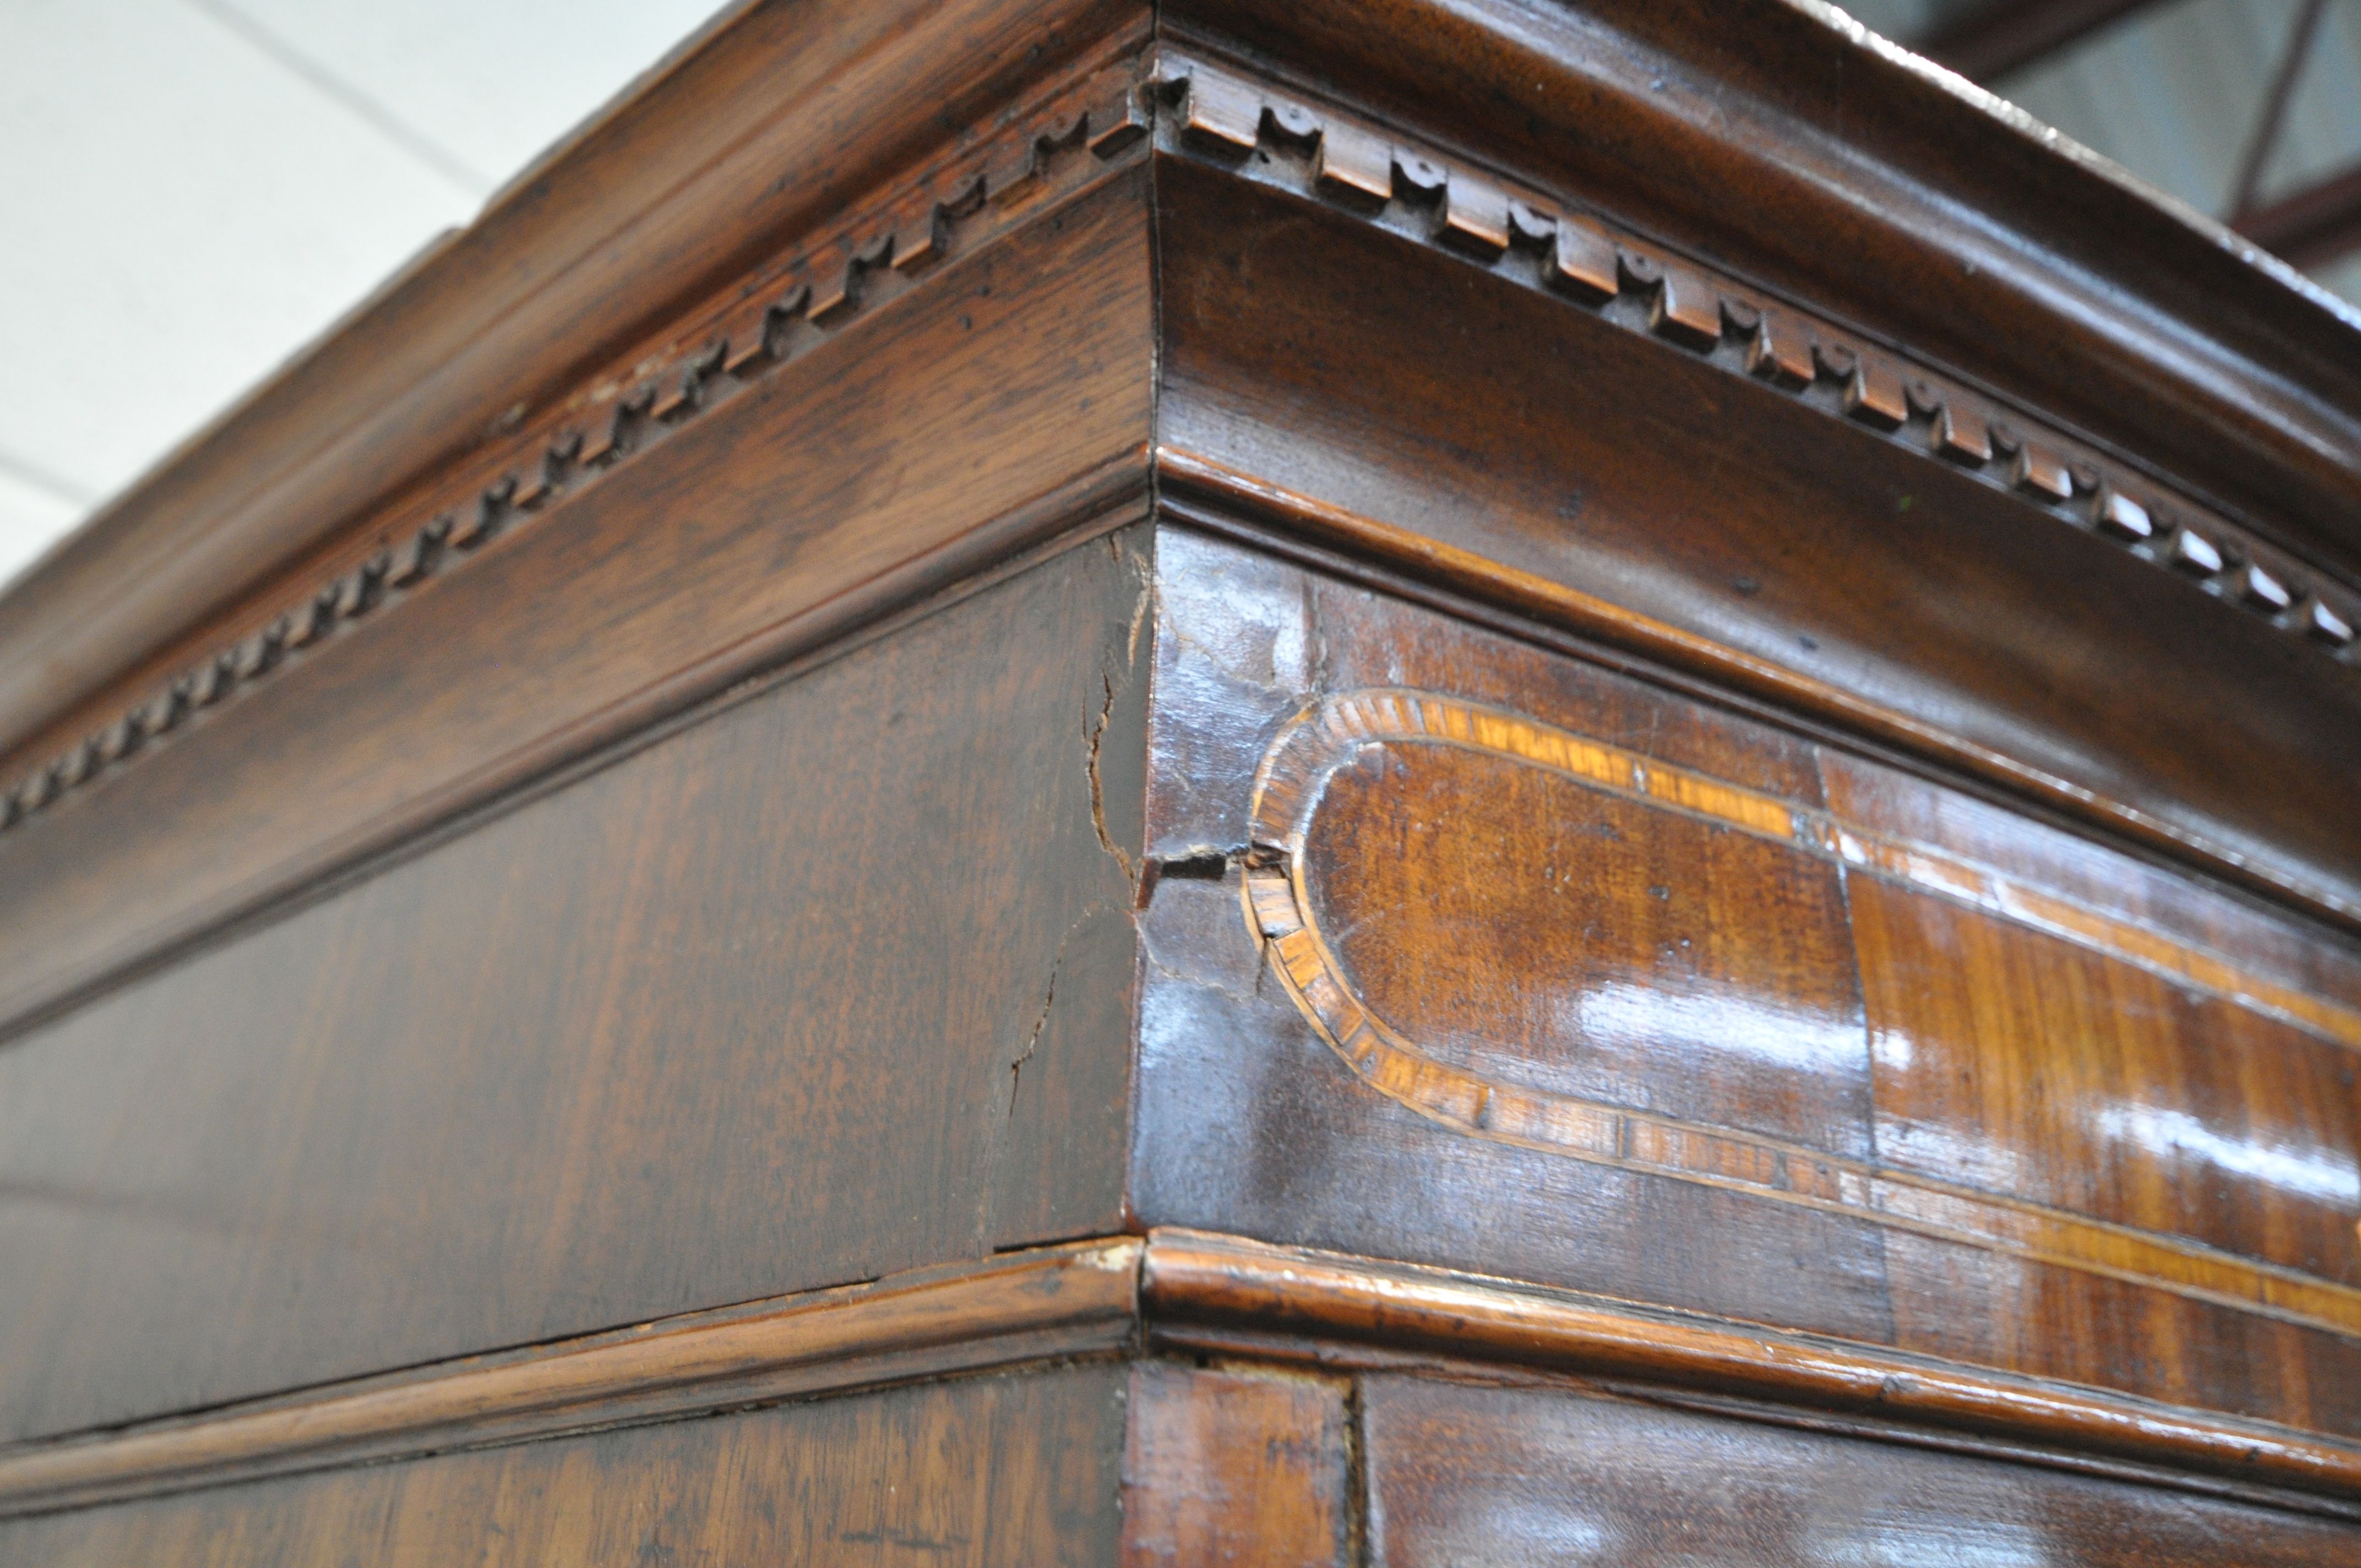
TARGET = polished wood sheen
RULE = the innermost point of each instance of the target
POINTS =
(1697, 506)
(1514, 1476)
(1214, 1292)
(1382, 782)
(1236, 1466)
(592, 1062)
(1600, 987)
(1252, 1452)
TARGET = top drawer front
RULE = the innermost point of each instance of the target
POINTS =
(1524, 966)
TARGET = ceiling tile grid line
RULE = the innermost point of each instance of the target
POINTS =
(218, 181)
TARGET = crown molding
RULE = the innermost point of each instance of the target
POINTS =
(1270, 136)
(770, 125)
(141, 592)
(1261, 133)
(1774, 139)
(993, 178)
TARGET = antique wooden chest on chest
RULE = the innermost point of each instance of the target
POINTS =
(1404, 783)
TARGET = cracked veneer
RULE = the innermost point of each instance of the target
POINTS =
(1004, 1114)
(1098, 790)
(1143, 600)
(1115, 680)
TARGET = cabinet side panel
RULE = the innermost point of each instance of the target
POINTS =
(815, 988)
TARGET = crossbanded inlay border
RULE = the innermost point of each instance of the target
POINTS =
(1281, 915)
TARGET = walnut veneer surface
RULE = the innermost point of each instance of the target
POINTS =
(1405, 782)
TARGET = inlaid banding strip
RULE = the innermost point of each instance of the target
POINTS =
(1280, 913)
(1286, 786)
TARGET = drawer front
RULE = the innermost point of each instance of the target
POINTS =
(1517, 964)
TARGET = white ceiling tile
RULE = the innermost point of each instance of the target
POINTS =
(208, 184)
(197, 213)
(2169, 95)
(492, 83)
(2324, 124)
(1901, 20)
(2341, 277)
(2174, 95)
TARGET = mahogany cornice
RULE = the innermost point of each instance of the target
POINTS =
(1760, 135)
(1237, 124)
(1756, 134)
(253, 509)
(995, 178)
(617, 408)
(773, 120)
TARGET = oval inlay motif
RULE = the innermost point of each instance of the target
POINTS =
(1544, 934)
(1512, 1018)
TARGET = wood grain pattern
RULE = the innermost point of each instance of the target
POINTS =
(1024, 1306)
(2144, 895)
(1235, 1466)
(1190, 1277)
(999, 1472)
(1667, 1040)
(1699, 973)
(1832, 170)
(785, 310)
(1689, 859)
(1583, 938)
(811, 503)
(1234, 1462)
(1306, 758)
(611, 1055)
(1205, 493)
(1246, 1120)
(1985, 1306)
(782, 116)
(1460, 210)
(1570, 452)
(1511, 1477)
(2018, 1064)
